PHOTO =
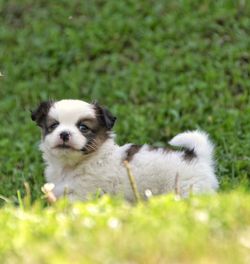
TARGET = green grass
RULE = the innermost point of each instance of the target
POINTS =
(161, 67)
(164, 230)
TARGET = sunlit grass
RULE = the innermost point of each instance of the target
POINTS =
(166, 229)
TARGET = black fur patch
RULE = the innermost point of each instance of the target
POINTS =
(163, 149)
(189, 154)
(40, 113)
(104, 116)
(131, 151)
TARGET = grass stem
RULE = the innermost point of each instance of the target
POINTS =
(132, 181)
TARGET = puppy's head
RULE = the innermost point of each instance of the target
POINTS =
(72, 126)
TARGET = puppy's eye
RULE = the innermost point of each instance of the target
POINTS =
(53, 126)
(82, 127)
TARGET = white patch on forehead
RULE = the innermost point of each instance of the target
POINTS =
(71, 110)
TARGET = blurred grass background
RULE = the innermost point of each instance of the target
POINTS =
(161, 67)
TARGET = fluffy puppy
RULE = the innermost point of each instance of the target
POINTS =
(81, 155)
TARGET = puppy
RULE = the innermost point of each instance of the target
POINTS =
(81, 156)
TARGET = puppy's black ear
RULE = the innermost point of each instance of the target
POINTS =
(40, 113)
(104, 116)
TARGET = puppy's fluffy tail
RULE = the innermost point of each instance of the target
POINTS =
(197, 142)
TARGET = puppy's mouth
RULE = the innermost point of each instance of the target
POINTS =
(64, 146)
(69, 147)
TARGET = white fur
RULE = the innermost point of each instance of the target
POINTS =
(157, 170)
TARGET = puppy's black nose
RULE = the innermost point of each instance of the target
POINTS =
(64, 136)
